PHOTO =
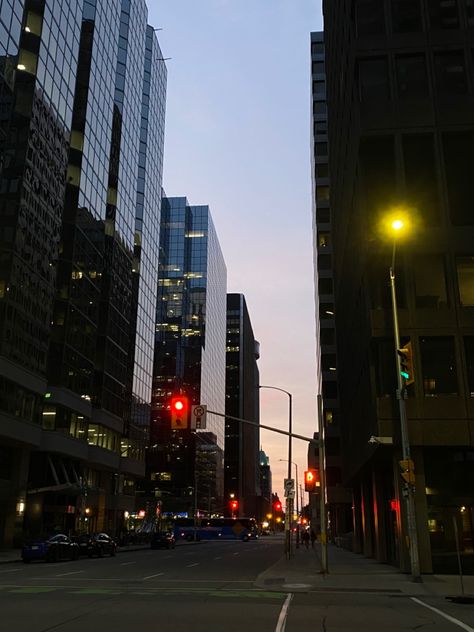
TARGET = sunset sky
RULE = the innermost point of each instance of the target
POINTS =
(238, 138)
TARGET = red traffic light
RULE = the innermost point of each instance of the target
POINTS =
(311, 480)
(179, 412)
(234, 505)
(277, 505)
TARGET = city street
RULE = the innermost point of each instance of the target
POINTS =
(212, 586)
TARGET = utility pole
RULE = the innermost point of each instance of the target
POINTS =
(322, 498)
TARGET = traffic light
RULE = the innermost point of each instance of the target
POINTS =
(179, 412)
(277, 505)
(234, 505)
(311, 480)
(405, 355)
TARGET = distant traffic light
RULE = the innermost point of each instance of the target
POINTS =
(179, 412)
(234, 506)
(277, 505)
(311, 480)
(405, 355)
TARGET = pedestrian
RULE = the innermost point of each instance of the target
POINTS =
(313, 537)
(305, 538)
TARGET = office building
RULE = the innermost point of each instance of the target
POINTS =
(400, 97)
(339, 498)
(82, 89)
(189, 352)
(241, 478)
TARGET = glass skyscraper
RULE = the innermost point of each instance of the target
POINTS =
(190, 345)
(82, 92)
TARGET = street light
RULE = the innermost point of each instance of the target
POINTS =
(297, 502)
(289, 508)
(408, 491)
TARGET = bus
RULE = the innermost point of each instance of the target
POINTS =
(215, 529)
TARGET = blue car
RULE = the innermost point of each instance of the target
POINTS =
(57, 547)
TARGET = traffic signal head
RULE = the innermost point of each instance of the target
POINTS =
(311, 480)
(277, 505)
(234, 505)
(179, 412)
(405, 355)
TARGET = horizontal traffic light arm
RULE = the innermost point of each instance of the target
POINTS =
(271, 428)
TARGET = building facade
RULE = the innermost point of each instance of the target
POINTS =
(242, 400)
(400, 95)
(189, 352)
(82, 88)
(339, 498)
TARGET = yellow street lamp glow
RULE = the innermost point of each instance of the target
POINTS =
(397, 224)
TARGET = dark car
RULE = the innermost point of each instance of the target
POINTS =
(163, 539)
(98, 544)
(57, 547)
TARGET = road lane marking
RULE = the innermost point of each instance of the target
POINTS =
(281, 623)
(218, 558)
(71, 573)
(195, 564)
(151, 576)
(235, 553)
(13, 570)
(462, 625)
(126, 563)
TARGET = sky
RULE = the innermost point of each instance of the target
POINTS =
(238, 139)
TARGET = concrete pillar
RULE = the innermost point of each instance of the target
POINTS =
(357, 520)
(381, 511)
(367, 517)
(16, 502)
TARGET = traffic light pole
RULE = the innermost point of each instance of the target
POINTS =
(408, 490)
(322, 496)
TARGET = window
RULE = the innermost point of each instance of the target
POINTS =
(326, 310)
(324, 262)
(328, 361)
(421, 176)
(327, 336)
(319, 89)
(324, 240)
(406, 16)
(458, 150)
(318, 68)
(319, 108)
(450, 72)
(322, 194)
(321, 149)
(377, 160)
(430, 281)
(317, 48)
(438, 366)
(369, 17)
(329, 390)
(412, 79)
(325, 286)
(373, 80)
(322, 170)
(443, 14)
(469, 350)
(465, 269)
(470, 12)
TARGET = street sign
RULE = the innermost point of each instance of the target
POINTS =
(289, 484)
(198, 417)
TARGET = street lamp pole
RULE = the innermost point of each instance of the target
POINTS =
(289, 508)
(408, 489)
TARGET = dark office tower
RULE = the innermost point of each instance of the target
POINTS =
(242, 440)
(339, 498)
(82, 90)
(265, 498)
(189, 351)
(400, 101)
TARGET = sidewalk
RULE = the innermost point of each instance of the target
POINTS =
(351, 572)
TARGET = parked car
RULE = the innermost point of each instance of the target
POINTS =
(57, 547)
(163, 539)
(98, 544)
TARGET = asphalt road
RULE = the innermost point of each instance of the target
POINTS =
(204, 587)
